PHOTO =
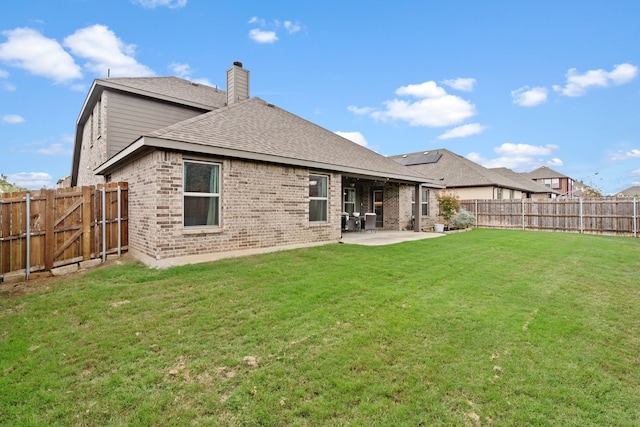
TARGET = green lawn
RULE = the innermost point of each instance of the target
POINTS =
(483, 328)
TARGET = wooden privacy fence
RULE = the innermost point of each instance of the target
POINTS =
(612, 216)
(41, 230)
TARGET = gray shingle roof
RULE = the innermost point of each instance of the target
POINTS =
(458, 171)
(171, 89)
(531, 185)
(544, 172)
(255, 129)
(631, 191)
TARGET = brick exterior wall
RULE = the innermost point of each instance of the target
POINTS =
(263, 206)
(94, 147)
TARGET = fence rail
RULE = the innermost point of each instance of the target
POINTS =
(611, 216)
(41, 230)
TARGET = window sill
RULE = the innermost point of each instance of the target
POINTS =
(201, 230)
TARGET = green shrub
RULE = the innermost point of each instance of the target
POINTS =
(464, 219)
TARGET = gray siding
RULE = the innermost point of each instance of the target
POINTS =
(130, 117)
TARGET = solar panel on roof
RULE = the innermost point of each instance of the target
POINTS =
(419, 160)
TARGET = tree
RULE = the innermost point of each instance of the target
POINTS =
(8, 187)
(449, 205)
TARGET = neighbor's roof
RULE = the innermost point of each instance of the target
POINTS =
(544, 172)
(631, 191)
(256, 130)
(455, 170)
(531, 185)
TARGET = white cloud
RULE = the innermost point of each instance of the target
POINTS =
(463, 131)
(104, 51)
(356, 137)
(519, 157)
(423, 90)
(463, 84)
(555, 162)
(256, 20)
(180, 70)
(12, 119)
(55, 149)
(292, 27)
(625, 155)
(260, 36)
(184, 72)
(434, 108)
(577, 84)
(509, 149)
(268, 31)
(152, 4)
(360, 110)
(529, 97)
(28, 49)
(32, 180)
(6, 85)
(635, 172)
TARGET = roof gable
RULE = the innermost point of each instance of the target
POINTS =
(255, 129)
(544, 172)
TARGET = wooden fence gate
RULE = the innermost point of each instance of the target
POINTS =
(41, 230)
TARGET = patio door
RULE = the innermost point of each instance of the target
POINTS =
(378, 207)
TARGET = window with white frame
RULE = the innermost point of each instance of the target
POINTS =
(349, 200)
(201, 194)
(318, 197)
(424, 203)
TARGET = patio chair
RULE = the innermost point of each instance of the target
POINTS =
(370, 222)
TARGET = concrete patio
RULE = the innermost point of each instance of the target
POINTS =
(379, 238)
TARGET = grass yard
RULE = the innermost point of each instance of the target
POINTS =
(485, 328)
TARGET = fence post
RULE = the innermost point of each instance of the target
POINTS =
(5, 215)
(86, 223)
(476, 213)
(49, 230)
(523, 214)
(119, 221)
(28, 236)
(635, 217)
(581, 217)
(104, 224)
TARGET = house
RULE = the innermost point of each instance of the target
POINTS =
(214, 174)
(467, 179)
(533, 190)
(554, 180)
(633, 191)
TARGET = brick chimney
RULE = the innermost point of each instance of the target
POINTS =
(237, 83)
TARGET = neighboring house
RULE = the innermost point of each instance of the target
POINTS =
(532, 189)
(630, 192)
(214, 174)
(467, 179)
(554, 180)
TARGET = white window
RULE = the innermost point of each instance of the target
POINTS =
(424, 202)
(555, 182)
(318, 197)
(201, 194)
(349, 200)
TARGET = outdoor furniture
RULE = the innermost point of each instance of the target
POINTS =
(370, 222)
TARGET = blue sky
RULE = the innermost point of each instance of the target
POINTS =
(504, 83)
